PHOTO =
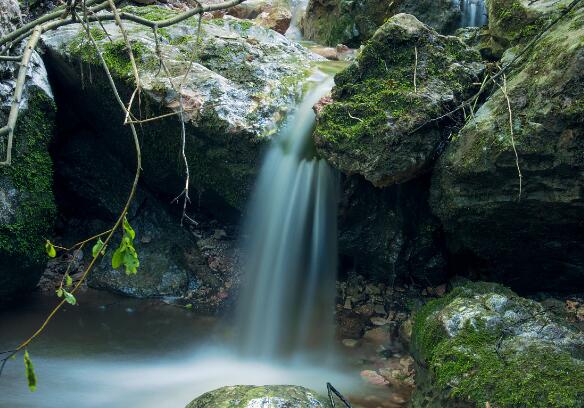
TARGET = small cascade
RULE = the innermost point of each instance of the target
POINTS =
(473, 13)
(298, 9)
(287, 300)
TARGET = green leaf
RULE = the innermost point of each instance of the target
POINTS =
(68, 280)
(50, 248)
(128, 229)
(131, 261)
(118, 258)
(69, 298)
(29, 369)
(189, 306)
(98, 248)
(60, 292)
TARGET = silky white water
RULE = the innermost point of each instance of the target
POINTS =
(290, 235)
(473, 13)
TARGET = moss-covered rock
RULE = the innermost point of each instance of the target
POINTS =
(242, 83)
(482, 343)
(27, 207)
(267, 396)
(527, 234)
(511, 21)
(374, 126)
(332, 22)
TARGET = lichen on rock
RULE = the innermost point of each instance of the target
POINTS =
(476, 191)
(375, 125)
(483, 343)
(267, 396)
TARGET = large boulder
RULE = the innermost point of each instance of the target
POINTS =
(92, 186)
(267, 396)
(390, 233)
(511, 21)
(241, 84)
(404, 77)
(527, 232)
(332, 22)
(27, 207)
(481, 343)
(273, 14)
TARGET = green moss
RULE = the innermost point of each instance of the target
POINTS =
(152, 13)
(472, 367)
(31, 173)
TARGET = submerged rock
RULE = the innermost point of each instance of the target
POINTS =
(242, 82)
(27, 206)
(483, 343)
(529, 232)
(267, 396)
(333, 22)
(405, 76)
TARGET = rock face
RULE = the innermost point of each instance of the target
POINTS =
(170, 263)
(511, 21)
(243, 80)
(267, 396)
(27, 207)
(273, 14)
(483, 343)
(530, 235)
(390, 233)
(332, 22)
(375, 125)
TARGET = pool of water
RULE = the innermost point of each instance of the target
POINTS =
(111, 351)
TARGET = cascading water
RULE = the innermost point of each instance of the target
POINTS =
(473, 13)
(288, 296)
(298, 8)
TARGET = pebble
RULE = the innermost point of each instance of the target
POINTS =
(351, 343)
(379, 321)
(373, 378)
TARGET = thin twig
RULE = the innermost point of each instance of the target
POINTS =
(506, 95)
(332, 390)
(415, 68)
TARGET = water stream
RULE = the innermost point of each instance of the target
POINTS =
(291, 250)
(473, 13)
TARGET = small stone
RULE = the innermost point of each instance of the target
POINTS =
(373, 378)
(378, 335)
(219, 234)
(366, 310)
(440, 290)
(379, 321)
(380, 309)
(348, 304)
(350, 343)
(580, 314)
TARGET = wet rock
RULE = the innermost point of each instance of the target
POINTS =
(375, 126)
(350, 325)
(350, 343)
(27, 206)
(512, 21)
(481, 341)
(373, 377)
(235, 96)
(526, 233)
(378, 335)
(390, 233)
(170, 263)
(267, 396)
(331, 22)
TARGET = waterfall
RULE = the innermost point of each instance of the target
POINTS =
(290, 234)
(298, 9)
(473, 13)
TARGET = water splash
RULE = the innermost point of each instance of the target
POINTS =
(288, 297)
(298, 9)
(473, 13)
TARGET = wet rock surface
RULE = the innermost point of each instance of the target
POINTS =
(525, 232)
(481, 342)
(268, 396)
(333, 22)
(403, 78)
(235, 94)
(27, 207)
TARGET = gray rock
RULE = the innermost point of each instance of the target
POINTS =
(267, 396)
(241, 85)
(27, 207)
(533, 238)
